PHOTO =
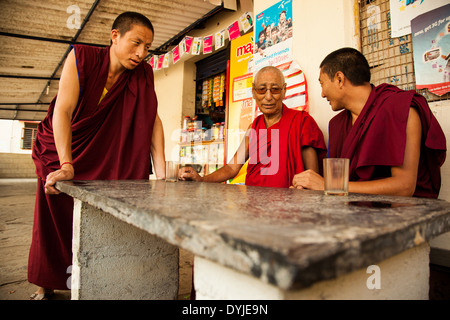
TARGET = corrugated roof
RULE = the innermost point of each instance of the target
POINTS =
(35, 37)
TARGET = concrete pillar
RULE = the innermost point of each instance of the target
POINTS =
(115, 260)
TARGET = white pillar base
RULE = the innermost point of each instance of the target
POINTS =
(402, 277)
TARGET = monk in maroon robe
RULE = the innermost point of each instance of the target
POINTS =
(280, 143)
(394, 142)
(103, 125)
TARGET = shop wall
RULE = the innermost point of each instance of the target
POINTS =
(169, 90)
(175, 86)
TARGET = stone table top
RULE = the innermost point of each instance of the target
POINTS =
(287, 237)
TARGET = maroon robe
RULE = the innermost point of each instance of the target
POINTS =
(111, 140)
(376, 141)
(275, 153)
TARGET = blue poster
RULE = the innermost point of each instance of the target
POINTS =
(273, 47)
(273, 34)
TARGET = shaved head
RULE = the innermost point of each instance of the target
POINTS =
(269, 69)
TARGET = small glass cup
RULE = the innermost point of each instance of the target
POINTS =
(172, 171)
(336, 174)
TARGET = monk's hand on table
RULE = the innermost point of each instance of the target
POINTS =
(65, 173)
(308, 179)
(189, 173)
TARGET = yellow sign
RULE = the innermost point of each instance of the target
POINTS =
(241, 103)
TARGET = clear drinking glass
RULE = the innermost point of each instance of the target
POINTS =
(172, 171)
(335, 173)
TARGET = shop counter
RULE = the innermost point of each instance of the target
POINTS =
(249, 242)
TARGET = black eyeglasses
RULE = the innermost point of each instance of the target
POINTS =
(264, 90)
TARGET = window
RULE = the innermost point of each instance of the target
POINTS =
(29, 132)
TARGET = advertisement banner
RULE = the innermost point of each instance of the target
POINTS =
(403, 11)
(431, 43)
(273, 47)
(240, 99)
(207, 44)
(233, 31)
(175, 54)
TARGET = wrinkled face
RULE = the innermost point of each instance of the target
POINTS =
(270, 103)
(330, 91)
(132, 47)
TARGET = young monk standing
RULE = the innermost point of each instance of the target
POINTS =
(103, 125)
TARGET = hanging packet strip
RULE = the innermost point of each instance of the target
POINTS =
(166, 60)
(182, 46)
(160, 61)
(188, 43)
(207, 44)
(220, 39)
(151, 62)
(175, 54)
(246, 21)
(155, 62)
(233, 31)
(196, 44)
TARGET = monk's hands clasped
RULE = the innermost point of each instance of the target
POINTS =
(189, 173)
(65, 173)
(308, 179)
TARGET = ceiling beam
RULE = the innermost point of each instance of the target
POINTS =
(12, 76)
(71, 42)
(74, 39)
(20, 119)
(23, 36)
(24, 110)
(22, 104)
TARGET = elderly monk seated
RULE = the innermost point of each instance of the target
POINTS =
(279, 144)
(394, 142)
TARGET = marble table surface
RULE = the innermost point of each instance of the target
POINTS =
(287, 237)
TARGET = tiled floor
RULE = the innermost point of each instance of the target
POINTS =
(16, 221)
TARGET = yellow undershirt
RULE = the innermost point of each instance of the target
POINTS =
(103, 95)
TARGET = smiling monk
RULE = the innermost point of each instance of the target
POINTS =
(394, 142)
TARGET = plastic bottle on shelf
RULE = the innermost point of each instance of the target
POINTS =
(213, 130)
(221, 130)
(204, 134)
(196, 124)
(186, 121)
(184, 134)
(197, 134)
(190, 135)
(216, 130)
